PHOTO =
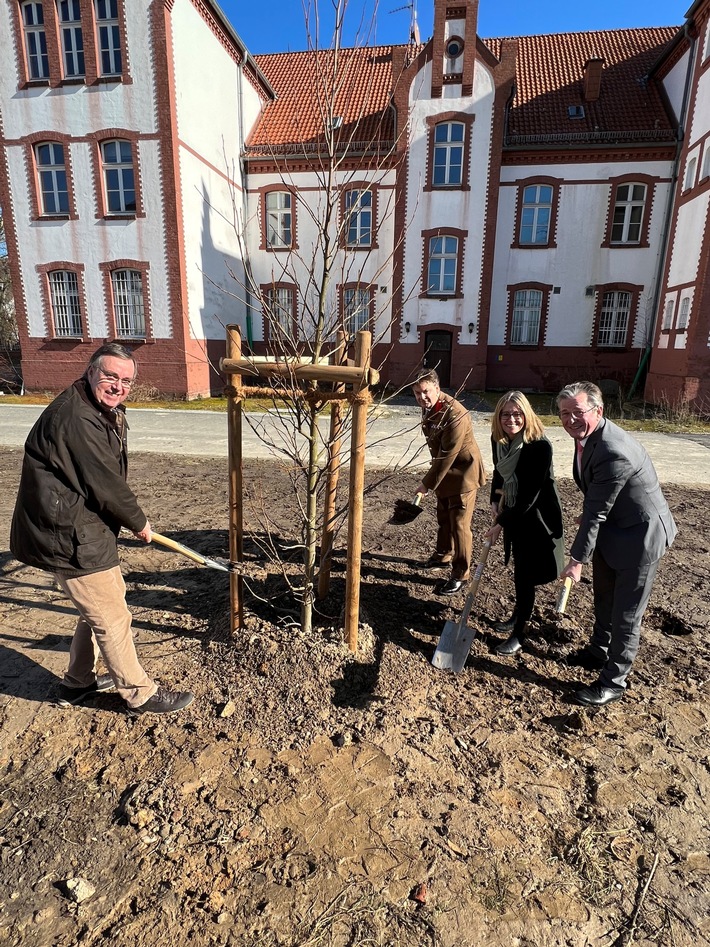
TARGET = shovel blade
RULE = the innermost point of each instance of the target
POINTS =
(453, 648)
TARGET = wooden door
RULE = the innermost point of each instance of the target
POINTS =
(437, 354)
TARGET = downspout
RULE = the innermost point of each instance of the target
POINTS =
(665, 236)
(242, 168)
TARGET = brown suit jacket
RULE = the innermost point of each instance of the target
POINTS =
(457, 466)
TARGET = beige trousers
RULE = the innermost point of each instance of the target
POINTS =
(104, 627)
(454, 541)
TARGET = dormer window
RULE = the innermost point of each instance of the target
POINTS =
(337, 122)
(575, 111)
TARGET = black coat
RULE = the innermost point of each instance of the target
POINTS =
(73, 497)
(532, 527)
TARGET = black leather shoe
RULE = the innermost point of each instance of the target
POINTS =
(452, 586)
(71, 696)
(436, 562)
(597, 695)
(163, 702)
(504, 627)
(510, 646)
(585, 658)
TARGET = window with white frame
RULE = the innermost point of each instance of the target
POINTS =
(72, 39)
(52, 175)
(668, 313)
(109, 38)
(527, 312)
(683, 314)
(449, 140)
(443, 263)
(65, 303)
(706, 162)
(279, 229)
(536, 215)
(356, 304)
(690, 174)
(35, 41)
(629, 207)
(128, 308)
(119, 177)
(614, 319)
(358, 218)
(280, 319)
(706, 51)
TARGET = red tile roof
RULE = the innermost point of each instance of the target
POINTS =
(356, 86)
(549, 79)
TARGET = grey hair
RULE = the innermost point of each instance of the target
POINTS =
(110, 350)
(588, 388)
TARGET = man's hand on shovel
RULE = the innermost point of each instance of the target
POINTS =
(146, 534)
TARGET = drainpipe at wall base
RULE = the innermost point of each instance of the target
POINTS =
(665, 236)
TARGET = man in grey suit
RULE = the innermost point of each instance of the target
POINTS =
(625, 528)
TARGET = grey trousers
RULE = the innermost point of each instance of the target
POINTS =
(620, 600)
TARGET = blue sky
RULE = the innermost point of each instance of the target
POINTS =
(280, 25)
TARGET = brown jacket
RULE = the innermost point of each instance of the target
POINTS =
(457, 466)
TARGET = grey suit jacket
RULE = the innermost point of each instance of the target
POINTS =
(624, 513)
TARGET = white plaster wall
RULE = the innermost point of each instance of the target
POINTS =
(579, 260)
(77, 110)
(674, 84)
(692, 222)
(701, 114)
(212, 119)
(300, 267)
(464, 210)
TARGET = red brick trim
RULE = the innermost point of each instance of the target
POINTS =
(426, 238)
(551, 243)
(283, 188)
(107, 269)
(615, 184)
(432, 121)
(44, 269)
(513, 288)
(373, 188)
(267, 288)
(601, 290)
(29, 143)
(96, 139)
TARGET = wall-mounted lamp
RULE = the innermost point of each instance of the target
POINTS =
(407, 327)
(470, 328)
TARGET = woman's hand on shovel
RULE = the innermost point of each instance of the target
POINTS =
(493, 534)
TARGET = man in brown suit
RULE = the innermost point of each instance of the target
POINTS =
(455, 475)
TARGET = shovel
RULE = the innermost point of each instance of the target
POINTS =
(457, 638)
(562, 597)
(221, 564)
(406, 512)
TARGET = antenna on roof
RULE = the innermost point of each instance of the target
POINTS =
(413, 25)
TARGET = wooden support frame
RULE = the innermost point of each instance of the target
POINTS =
(360, 375)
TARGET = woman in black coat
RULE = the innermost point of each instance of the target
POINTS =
(526, 506)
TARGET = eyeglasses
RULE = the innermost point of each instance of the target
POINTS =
(113, 379)
(566, 416)
(511, 416)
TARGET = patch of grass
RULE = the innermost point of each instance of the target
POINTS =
(495, 890)
(587, 854)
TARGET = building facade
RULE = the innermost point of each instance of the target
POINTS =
(513, 212)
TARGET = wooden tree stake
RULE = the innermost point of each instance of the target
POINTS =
(236, 485)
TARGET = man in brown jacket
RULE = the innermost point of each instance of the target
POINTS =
(455, 475)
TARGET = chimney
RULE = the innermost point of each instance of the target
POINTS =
(592, 79)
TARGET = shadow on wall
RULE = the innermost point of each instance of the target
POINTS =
(223, 289)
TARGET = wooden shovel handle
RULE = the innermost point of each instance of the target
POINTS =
(178, 547)
(563, 595)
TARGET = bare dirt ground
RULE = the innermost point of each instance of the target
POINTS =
(311, 797)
